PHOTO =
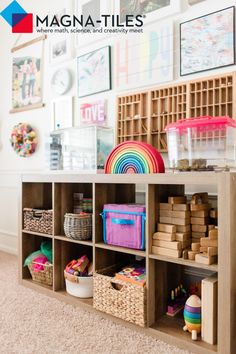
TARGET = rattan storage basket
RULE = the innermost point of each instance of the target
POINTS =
(78, 226)
(119, 298)
(42, 276)
(38, 220)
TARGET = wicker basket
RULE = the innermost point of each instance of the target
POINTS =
(38, 220)
(78, 227)
(42, 276)
(119, 298)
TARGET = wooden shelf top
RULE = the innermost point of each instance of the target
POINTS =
(185, 262)
(121, 249)
(67, 239)
(196, 178)
(36, 233)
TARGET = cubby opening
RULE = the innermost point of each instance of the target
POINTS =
(31, 243)
(167, 278)
(37, 195)
(64, 201)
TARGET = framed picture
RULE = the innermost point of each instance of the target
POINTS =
(94, 72)
(62, 113)
(93, 113)
(207, 42)
(93, 8)
(60, 49)
(152, 9)
(27, 75)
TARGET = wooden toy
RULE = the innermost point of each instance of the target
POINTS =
(191, 255)
(166, 228)
(183, 228)
(199, 221)
(166, 244)
(177, 200)
(177, 301)
(181, 207)
(192, 316)
(209, 309)
(182, 236)
(162, 236)
(195, 247)
(199, 228)
(199, 198)
(166, 252)
(205, 259)
(165, 206)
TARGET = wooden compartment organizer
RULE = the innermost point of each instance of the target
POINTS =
(56, 192)
(143, 116)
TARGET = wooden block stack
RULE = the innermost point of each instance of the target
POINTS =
(177, 212)
(208, 248)
(199, 216)
(164, 242)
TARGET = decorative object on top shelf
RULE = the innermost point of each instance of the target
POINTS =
(93, 113)
(208, 42)
(27, 75)
(61, 81)
(192, 316)
(23, 139)
(211, 140)
(124, 225)
(94, 72)
(134, 157)
(62, 113)
(152, 10)
(60, 49)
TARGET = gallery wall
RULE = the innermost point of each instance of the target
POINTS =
(11, 166)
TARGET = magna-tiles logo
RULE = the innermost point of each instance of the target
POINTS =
(18, 18)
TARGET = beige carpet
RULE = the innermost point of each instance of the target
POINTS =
(31, 323)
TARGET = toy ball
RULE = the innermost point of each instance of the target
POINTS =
(192, 316)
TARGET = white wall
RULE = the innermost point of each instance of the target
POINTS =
(10, 164)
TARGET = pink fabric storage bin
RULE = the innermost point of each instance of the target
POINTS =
(124, 225)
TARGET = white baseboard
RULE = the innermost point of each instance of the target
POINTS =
(10, 250)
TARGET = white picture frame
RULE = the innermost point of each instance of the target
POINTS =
(62, 113)
(60, 49)
(106, 7)
(172, 8)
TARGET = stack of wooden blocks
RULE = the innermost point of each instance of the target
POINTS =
(199, 216)
(208, 248)
(174, 229)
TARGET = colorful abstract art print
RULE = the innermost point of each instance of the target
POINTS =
(94, 72)
(207, 42)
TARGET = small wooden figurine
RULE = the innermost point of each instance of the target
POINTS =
(192, 316)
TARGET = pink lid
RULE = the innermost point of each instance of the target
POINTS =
(202, 123)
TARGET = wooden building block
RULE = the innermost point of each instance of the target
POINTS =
(183, 228)
(199, 228)
(181, 207)
(197, 207)
(165, 206)
(205, 241)
(171, 229)
(180, 222)
(186, 244)
(166, 252)
(203, 249)
(192, 255)
(199, 221)
(167, 244)
(163, 236)
(180, 214)
(213, 234)
(200, 213)
(214, 213)
(164, 213)
(211, 227)
(205, 259)
(177, 200)
(185, 254)
(199, 234)
(195, 240)
(165, 220)
(199, 198)
(195, 247)
(209, 310)
(182, 236)
(212, 251)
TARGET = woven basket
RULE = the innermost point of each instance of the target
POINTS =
(78, 227)
(43, 276)
(38, 221)
(119, 298)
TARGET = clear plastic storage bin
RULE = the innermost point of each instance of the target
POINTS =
(203, 143)
(80, 149)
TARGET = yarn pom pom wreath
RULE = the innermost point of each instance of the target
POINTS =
(23, 140)
(134, 157)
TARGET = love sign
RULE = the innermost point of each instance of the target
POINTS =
(93, 113)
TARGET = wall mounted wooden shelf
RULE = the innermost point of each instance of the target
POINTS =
(56, 191)
(143, 116)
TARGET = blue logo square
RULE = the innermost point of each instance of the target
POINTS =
(13, 8)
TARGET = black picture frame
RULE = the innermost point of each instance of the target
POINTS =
(109, 78)
(184, 73)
